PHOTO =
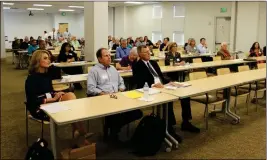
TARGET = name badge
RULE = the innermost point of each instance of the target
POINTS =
(178, 60)
(70, 54)
(48, 95)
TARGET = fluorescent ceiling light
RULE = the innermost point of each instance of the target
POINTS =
(42, 5)
(8, 3)
(35, 9)
(66, 10)
(6, 7)
(76, 6)
(134, 2)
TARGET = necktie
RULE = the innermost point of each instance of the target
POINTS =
(151, 70)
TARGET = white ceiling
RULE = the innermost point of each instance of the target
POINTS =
(22, 6)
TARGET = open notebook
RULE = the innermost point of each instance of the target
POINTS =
(176, 85)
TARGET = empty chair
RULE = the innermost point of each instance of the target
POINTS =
(236, 92)
(206, 99)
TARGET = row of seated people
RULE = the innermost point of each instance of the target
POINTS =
(103, 79)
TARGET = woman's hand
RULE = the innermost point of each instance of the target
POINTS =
(58, 95)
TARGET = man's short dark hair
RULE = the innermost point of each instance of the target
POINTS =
(49, 36)
(139, 48)
(202, 39)
(99, 52)
(167, 38)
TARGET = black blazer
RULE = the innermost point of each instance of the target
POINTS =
(141, 74)
(264, 51)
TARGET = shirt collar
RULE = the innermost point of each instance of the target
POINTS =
(102, 66)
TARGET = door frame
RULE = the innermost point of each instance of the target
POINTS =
(214, 31)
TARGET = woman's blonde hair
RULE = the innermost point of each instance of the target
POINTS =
(171, 45)
(35, 60)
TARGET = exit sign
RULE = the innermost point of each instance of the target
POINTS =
(223, 10)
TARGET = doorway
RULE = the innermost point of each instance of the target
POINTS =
(62, 27)
(222, 31)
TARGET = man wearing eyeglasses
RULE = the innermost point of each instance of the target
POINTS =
(104, 79)
(146, 70)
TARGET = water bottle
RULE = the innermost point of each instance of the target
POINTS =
(146, 91)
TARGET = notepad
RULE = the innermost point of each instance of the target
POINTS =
(122, 71)
(133, 94)
(151, 91)
(176, 85)
(54, 108)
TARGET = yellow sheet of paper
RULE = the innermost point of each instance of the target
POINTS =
(134, 94)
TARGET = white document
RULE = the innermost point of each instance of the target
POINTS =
(176, 85)
(150, 99)
(54, 108)
(150, 92)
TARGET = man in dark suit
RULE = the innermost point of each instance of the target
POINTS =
(146, 70)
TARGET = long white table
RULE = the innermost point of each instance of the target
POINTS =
(74, 64)
(100, 106)
(164, 69)
(222, 82)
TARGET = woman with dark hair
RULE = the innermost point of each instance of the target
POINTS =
(129, 44)
(147, 41)
(67, 55)
(255, 50)
(39, 90)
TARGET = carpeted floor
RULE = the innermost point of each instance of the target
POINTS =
(222, 140)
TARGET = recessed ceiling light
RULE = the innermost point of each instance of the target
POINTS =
(66, 10)
(35, 9)
(42, 5)
(6, 7)
(76, 6)
(134, 2)
(4, 3)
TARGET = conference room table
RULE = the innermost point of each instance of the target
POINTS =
(74, 64)
(89, 108)
(78, 110)
(165, 69)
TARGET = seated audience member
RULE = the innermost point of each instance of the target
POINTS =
(116, 44)
(164, 45)
(20, 41)
(32, 47)
(126, 62)
(140, 42)
(223, 52)
(38, 39)
(25, 44)
(75, 43)
(202, 47)
(82, 42)
(112, 42)
(104, 79)
(42, 46)
(188, 41)
(31, 38)
(175, 57)
(146, 70)
(59, 42)
(131, 40)
(109, 39)
(191, 47)
(129, 44)
(157, 45)
(59, 35)
(67, 55)
(264, 50)
(255, 50)
(39, 90)
(49, 42)
(147, 41)
(122, 51)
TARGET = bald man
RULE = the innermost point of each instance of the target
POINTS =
(127, 62)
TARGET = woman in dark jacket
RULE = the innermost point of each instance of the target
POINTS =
(255, 50)
(67, 55)
(174, 57)
(39, 89)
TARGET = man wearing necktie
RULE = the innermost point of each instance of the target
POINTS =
(122, 51)
(146, 70)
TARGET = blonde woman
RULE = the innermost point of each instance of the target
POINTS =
(191, 47)
(39, 90)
